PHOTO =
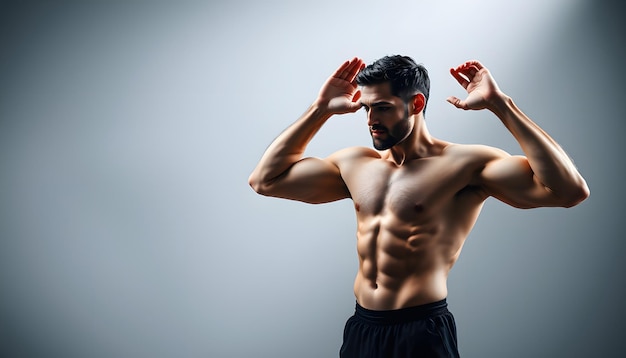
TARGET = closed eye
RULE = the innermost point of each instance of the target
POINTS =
(382, 106)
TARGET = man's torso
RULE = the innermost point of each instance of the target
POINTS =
(412, 221)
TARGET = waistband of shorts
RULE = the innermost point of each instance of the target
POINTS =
(407, 314)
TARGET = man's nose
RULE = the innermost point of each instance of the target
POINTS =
(371, 118)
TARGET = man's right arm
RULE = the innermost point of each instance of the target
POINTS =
(283, 172)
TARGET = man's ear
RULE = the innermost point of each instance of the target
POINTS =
(419, 102)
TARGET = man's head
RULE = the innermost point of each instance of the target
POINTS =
(394, 88)
(405, 76)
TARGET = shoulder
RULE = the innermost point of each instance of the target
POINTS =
(474, 153)
(477, 160)
(352, 154)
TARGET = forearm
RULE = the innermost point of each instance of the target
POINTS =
(549, 162)
(288, 147)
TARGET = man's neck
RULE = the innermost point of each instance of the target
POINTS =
(419, 144)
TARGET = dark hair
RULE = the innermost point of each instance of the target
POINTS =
(405, 76)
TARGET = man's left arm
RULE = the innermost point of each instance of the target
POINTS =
(546, 176)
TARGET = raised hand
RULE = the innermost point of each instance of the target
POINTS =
(339, 94)
(480, 85)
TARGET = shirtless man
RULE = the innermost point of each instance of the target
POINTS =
(416, 197)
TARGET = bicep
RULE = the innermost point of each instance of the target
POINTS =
(311, 180)
(511, 180)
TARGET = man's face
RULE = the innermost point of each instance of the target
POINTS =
(387, 115)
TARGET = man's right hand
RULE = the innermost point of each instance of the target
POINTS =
(339, 94)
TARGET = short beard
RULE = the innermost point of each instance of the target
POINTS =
(397, 134)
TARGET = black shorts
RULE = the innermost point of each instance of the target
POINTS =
(421, 331)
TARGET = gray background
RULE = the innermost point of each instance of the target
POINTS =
(128, 130)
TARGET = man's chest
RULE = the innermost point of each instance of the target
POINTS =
(416, 187)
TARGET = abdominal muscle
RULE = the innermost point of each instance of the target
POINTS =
(402, 265)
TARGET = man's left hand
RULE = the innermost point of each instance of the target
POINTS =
(481, 88)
